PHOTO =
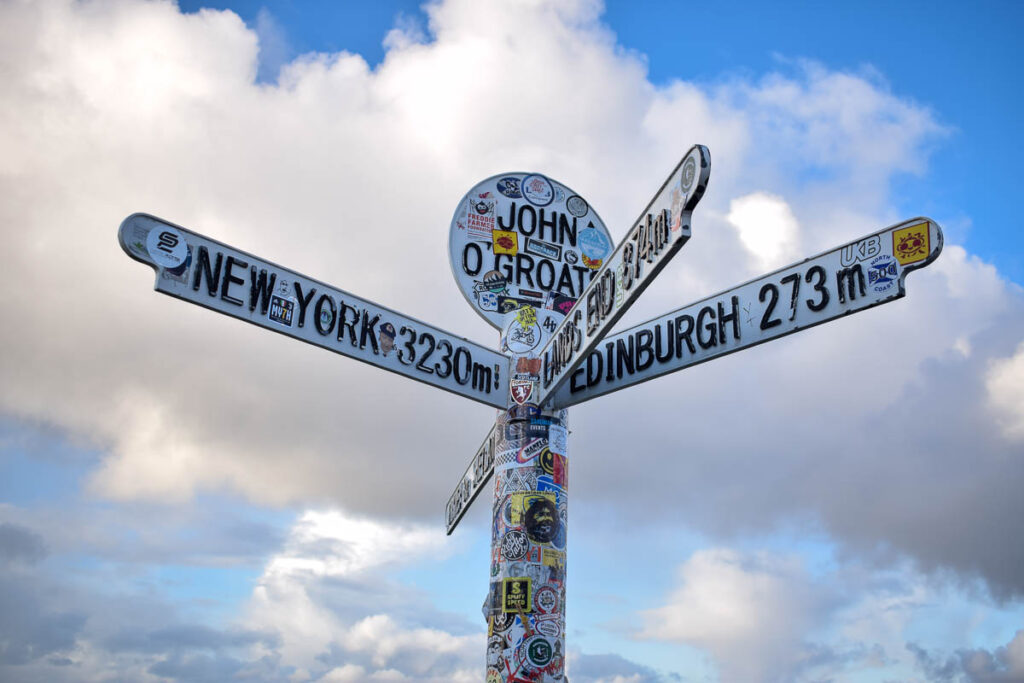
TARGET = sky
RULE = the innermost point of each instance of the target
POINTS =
(187, 498)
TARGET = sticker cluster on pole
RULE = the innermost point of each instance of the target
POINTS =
(534, 259)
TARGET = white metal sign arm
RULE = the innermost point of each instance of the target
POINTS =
(856, 276)
(203, 271)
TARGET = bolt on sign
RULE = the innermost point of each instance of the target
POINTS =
(534, 259)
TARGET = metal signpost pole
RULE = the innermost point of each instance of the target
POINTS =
(534, 259)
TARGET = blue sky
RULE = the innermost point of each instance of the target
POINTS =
(183, 498)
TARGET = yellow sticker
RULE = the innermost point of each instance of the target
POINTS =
(505, 242)
(522, 501)
(527, 316)
(911, 244)
(554, 558)
(516, 595)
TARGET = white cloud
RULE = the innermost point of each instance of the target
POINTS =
(1005, 384)
(349, 174)
(767, 228)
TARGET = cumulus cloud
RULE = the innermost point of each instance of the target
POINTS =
(767, 228)
(876, 425)
(1005, 384)
(973, 665)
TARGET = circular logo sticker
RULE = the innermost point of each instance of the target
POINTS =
(537, 189)
(493, 676)
(594, 244)
(689, 173)
(883, 273)
(545, 599)
(539, 651)
(167, 247)
(514, 545)
(502, 621)
(577, 206)
(549, 627)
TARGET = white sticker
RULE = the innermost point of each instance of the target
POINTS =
(167, 247)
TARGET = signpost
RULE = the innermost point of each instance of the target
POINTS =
(660, 231)
(534, 259)
(213, 275)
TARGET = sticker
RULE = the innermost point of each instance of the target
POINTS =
(863, 250)
(480, 216)
(689, 173)
(558, 436)
(529, 366)
(546, 599)
(514, 545)
(537, 189)
(179, 274)
(593, 244)
(167, 247)
(326, 318)
(883, 274)
(571, 257)
(495, 646)
(561, 303)
(553, 558)
(521, 390)
(523, 336)
(505, 242)
(493, 281)
(387, 338)
(593, 264)
(282, 309)
(540, 519)
(488, 301)
(543, 249)
(577, 206)
(538, 651)
(516, 595)
(493, 676)
(510, 188)
(910, 245)
(523, 501)
(502, 621)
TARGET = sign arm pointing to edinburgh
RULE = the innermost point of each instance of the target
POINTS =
(862, 274)
(660, 231)
(203, 271)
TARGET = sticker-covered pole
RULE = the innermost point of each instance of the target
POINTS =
(525, 606)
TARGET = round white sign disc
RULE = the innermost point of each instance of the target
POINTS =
(523, 239)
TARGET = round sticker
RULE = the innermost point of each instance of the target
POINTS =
(689, 173)
(539, 651)
(514, 545)
(537, 189)
(883, 273)
(577, 206)
(167, 247)
(545, 599)
(516, 240)
(549, 627)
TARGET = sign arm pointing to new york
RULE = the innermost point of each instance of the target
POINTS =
(859, 275)
(203, 271)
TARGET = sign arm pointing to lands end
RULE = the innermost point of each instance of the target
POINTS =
(208, 273)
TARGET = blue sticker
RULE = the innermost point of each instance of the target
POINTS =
(510, 188)
(593, 243)
(883, 274)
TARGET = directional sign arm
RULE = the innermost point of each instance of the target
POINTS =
(203, 271)
(478, 473)
(862, 274)
(661, 230)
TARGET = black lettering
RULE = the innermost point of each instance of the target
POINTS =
(552, 223)
(466, 374)
(344, 323)
(846, 276)
(477, 256)
(481, 378)
(203, 268)
(231, 279)
(609, 351)
(430, 341)
(574, 378)
(303, 300)
(819, 273)
(524, 267)
(511, 225)
(367, 332)
(703, 325)
(565, 229)
(681, 335)
(594, 367)
(767, 321)
(580, 272)
(724, 317)
(565, 282)
(260, 289)
(624, 355)
(533, 220)
(546, 276)
(644, 353)
(446, 357)
(628, 252)
(318, 312)
(794, 279)
(407, 345)
(669, 342)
